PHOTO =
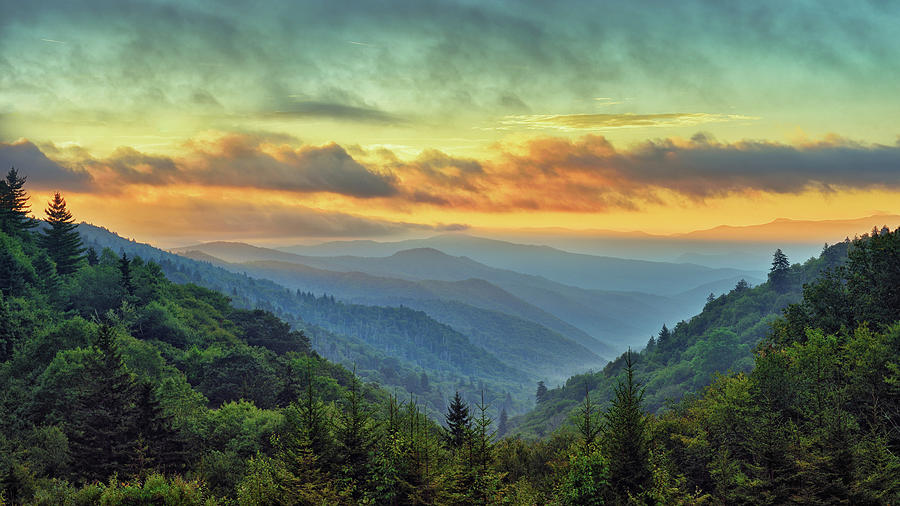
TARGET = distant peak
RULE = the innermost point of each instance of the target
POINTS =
(419, 253)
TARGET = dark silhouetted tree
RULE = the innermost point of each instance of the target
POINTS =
(61, 239)
(92, 257)
(459, 423)
(541, 392)
(103, 433)
(125, 272)
(778, 274)
(664, 336)
(14, 204)
(503, 423)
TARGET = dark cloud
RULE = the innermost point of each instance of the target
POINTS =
(702, 168)
(40, 171)
(592, 175)
(248, 161)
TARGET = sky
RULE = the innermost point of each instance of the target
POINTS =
(279, 122)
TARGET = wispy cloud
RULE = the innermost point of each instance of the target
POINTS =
(587, 122)
(315, 109)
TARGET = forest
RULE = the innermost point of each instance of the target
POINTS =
(122, 386)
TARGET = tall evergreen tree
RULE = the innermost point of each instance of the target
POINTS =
(103, 432)
(588, 426)
(125, 271)
(503, 423)
(14, 204)
(92, 257)
(778, 274)
(459, 423)
(541, 392)
(61, 239)
(356, 437)
(662, 338)
(160, 446)
(625, 437)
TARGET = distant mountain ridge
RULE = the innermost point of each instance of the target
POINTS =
(622, 317)
(364, 288)
(574, 269)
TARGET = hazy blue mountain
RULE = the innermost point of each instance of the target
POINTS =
(366, 288)
(575, 269)
(587, 316)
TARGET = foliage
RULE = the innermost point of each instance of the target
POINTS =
(151, 392)
(60, 238)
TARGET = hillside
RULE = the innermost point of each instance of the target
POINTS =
(122, 387)
(683, 360)
(105, 372)
(450, 357)
(365, 288)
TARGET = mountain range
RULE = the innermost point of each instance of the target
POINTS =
(601, 319)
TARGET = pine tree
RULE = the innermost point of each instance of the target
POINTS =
(459, 423)
(778, 274)
(663, 337)
(164, 448)
(588, 426)
(503, 423)
(125, 271)
(103, 432)
(485, 482)
(356, 437)
(46, 274)
(61, 239)
(311, 423)
(625, 437)
(92, 257)
(541, 392)
(14, 204)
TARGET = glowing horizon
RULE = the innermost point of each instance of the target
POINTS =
(356, 120)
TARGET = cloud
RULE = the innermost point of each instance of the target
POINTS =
(244, 160)
(586, 175)
(575, 122)
(592, 175)
(41, 172)
(313, 109)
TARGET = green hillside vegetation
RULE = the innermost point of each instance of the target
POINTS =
(122, 387)
(533, 348)
(393, 346)
(684, 360)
